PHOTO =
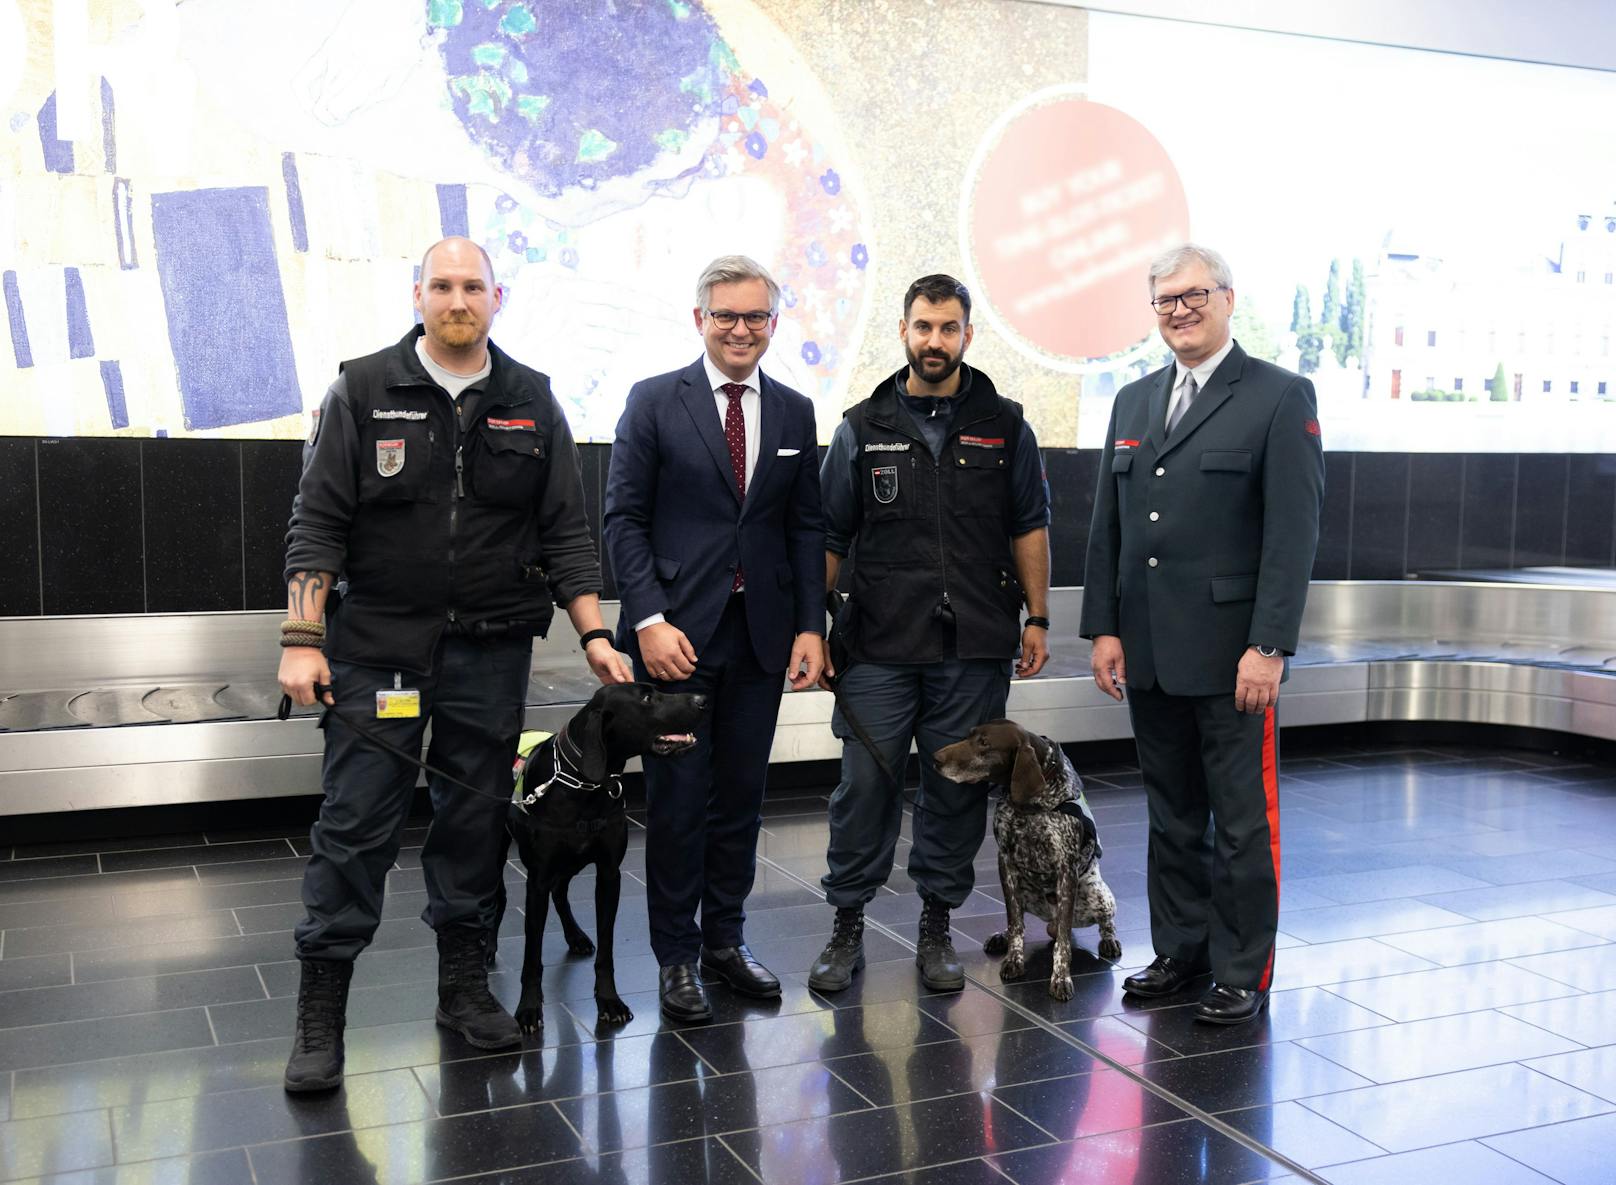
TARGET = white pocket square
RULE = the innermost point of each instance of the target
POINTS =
(788, 452)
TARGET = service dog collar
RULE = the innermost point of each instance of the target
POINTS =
(565, 771)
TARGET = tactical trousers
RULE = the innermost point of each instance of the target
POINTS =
(933, 704)
(474, 701)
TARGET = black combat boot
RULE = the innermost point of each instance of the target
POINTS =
(322, 1008)
(465, 1004)
(940, 968)
(843, 954)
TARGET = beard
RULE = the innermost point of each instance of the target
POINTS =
(458, 333)
(933, 373)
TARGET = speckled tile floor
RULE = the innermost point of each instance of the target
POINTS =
(1444, 1011)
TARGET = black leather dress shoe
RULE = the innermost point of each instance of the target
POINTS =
(1224, 1005)
(683, 996)
(1163, 977)
(744, 974)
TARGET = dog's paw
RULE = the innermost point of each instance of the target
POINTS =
(1061, 987)
(996, 944)
(1013, 967)
(1110, 949)
(580, 945)
(530, 1018)
(612, 1011)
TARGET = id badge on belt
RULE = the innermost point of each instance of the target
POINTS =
(399, 703)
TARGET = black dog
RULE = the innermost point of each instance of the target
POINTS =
(572, 816)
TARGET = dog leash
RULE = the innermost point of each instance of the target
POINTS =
(834, 604)
(321, 689)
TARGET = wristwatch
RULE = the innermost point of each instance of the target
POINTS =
(1041, 622)
(1267, 651)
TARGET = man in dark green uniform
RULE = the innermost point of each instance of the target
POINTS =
(1205, 522)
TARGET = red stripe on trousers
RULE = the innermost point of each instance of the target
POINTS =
(1270, 785)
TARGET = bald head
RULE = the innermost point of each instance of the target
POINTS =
(457, 299)
(459, 249)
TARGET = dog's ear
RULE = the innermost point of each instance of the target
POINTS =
(1027, 778)
(591, 742)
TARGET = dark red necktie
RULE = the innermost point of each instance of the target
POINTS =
(735, 437)
(735, 434)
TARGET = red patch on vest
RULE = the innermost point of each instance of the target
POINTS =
(508, 425)
(1311, 427)
(983, 441)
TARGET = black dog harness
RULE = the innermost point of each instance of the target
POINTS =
(551, 758)
(1057, 771)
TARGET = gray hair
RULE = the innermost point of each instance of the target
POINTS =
(730, 269)
(1182, 256)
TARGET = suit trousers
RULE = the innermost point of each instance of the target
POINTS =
(703, 808)
(1214, 890)
(934, 704)
(474, 700)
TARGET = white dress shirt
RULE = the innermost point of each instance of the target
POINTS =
(1202, 373)
(751, 408)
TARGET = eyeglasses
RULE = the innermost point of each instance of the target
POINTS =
(1195, 298)
(726, 320)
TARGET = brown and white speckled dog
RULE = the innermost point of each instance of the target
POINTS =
(1049, 847)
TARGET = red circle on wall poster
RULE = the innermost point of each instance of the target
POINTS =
(1065, 204)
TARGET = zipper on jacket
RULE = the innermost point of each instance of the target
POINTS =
(454, 517)
(937, 503)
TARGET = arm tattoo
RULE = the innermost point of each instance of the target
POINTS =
(302, 589)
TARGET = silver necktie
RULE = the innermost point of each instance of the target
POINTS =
(1183, 404)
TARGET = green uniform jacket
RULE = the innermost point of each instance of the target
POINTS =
(1203, 544)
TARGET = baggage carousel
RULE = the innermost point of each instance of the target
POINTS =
(162, 709)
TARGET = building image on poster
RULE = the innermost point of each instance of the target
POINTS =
(1431, 238)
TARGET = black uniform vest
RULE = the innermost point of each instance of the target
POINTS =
(933, 574)
(445, 533)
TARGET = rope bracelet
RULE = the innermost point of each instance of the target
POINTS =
(298, 632)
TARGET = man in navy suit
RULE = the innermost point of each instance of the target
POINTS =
(712, 525)
(1205, 523)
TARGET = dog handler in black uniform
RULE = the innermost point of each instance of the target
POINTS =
(441, 483)
(935, 484)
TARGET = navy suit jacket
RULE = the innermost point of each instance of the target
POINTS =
(1202, 542)
(675, 527)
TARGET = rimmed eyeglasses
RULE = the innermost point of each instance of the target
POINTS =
(726, 319)
(1195, 298)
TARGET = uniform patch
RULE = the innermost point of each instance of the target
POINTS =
(394, 413)
(884, 483)
(389, 457)
(314, 427)
(897, 447)
(1311, 427)
(508, 425)
(1124, 444)
(983, 441)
